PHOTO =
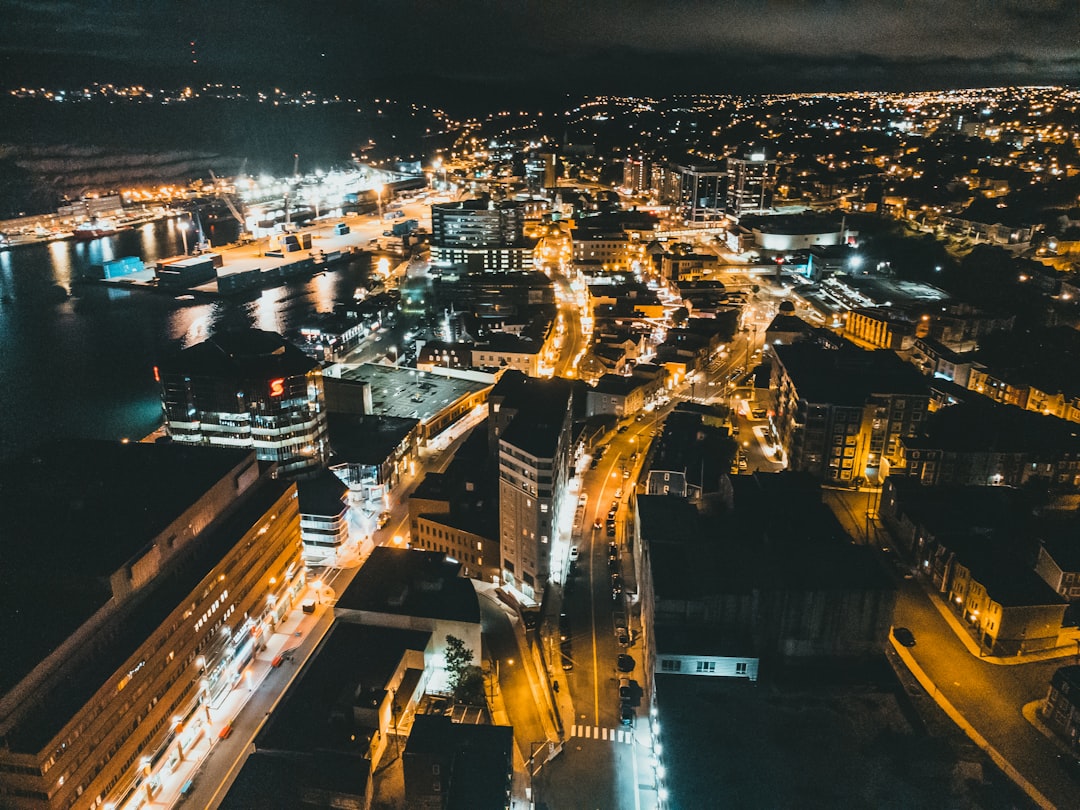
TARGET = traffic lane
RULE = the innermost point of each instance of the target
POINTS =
(501, 646)
(589, 775)
(989, 696)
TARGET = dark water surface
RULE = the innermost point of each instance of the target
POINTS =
(77, 359)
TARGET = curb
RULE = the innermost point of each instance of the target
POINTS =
(946, 706)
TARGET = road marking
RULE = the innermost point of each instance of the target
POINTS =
(607, 734)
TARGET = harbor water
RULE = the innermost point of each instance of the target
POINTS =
(77, 359)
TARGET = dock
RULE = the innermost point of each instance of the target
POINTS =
(260, 264)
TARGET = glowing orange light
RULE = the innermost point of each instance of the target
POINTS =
(277, 387)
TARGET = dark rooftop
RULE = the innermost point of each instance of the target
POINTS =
(789, 323)
(366, 439)
(93, 505)
(242, 354)
(410, 582)
(131, 628)
(287, 781)
(848, 376)
(351, 668)
(690, 446)
(1006, 579)
(754, 544)
(617, 384)
(985, 426)
(322, 494)
(481, 759)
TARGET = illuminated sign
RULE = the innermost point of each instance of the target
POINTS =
(277, 387)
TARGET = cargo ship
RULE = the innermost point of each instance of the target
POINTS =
(95, 229)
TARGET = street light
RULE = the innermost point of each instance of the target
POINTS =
(379, 191)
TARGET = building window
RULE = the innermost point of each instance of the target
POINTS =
(740, 668)
(668, 665)
(705, 667)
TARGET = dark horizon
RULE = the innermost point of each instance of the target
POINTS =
(527, 54)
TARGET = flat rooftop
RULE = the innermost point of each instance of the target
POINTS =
(849, 376)
(407, 392)
(351, 667)
(411, 582)
(360, 439)
(75, 512)
(130, 629)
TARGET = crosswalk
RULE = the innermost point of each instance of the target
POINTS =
(598, 733)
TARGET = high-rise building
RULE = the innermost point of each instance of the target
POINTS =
(480, 235)
(637, 174)
(168, 568)
(751, 179)
(247, 388)
(529, 427)
(700, 192)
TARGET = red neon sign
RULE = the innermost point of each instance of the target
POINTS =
(277, 387)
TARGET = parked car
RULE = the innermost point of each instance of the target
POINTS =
(904, 636)
(597, 524)
(574, 554)
(564, 627)
(622, 636)
(626, 716)
(616, 583)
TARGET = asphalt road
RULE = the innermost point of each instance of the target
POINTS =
(989, 696)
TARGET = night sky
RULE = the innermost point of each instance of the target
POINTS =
(545, 46)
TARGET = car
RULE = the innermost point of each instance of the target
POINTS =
(626, 716)
(613, 564)
(626, 473)
(574, 554)
(564, 627)
(904, 636)
(615, 595)
(622, 636)
(597, 524)
(616, 583)
(734, 430)
(758, 413)
(742, 463)
(567, 662)
(594, 464)
(625, 691)
(384, 518)
(612, 551)
(387, 233)
(623, 428)
(618, 493)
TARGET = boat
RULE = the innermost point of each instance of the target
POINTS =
(95, 228)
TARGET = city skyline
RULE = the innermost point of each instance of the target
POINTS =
(538, 51)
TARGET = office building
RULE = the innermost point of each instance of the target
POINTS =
(247, 388)
(751, 179)
(637, 174)
(700, 188)
(529, 424)
(167, 568)
(480, 235)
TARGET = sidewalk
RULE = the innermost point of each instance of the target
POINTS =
(204, 728)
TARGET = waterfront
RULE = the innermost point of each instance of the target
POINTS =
(77, 359)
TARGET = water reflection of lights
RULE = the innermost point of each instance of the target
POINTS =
(60, 255)
(266, 312)
(323, 287)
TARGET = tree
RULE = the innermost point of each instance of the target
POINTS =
(458, 659)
